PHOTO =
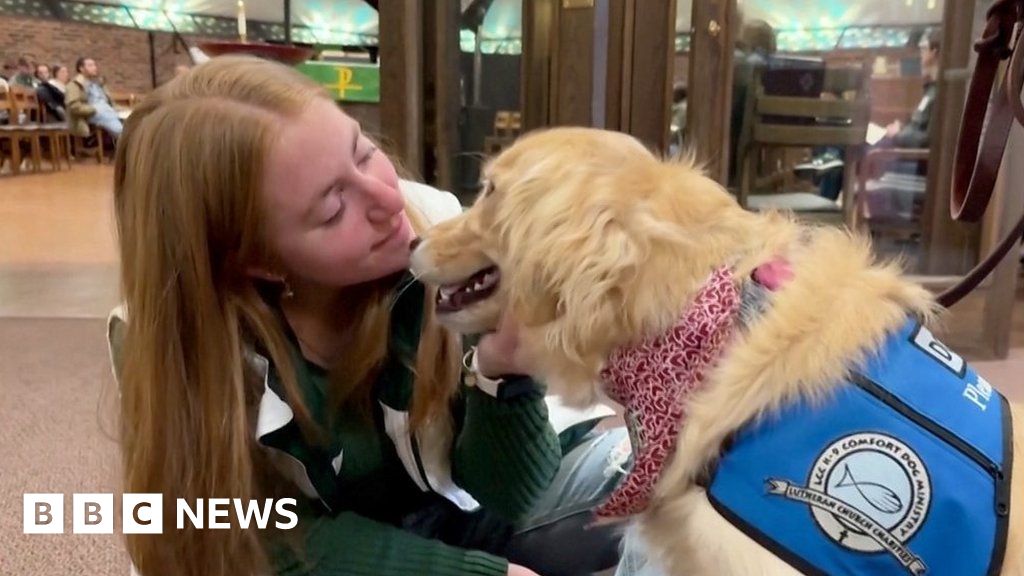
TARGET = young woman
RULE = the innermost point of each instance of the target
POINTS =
(272, 344)
(53, 83)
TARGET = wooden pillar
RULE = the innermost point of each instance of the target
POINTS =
(558, 63)
(949, 247)
(572, 73)
(647, 111)
(638, 88)
(604, 63)
(401, 80)
(441, 92)
(539, 22)
(709, 90)
(620, 26)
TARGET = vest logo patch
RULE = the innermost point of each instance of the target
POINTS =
(869, 493)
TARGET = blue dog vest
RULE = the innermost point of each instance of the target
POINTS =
(904, 470)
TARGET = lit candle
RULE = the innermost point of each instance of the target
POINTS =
(241, 20)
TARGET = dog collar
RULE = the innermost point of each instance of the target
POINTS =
(652, 379)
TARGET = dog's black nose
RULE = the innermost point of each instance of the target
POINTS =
(415, 242)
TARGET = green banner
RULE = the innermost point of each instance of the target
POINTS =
(346, 82)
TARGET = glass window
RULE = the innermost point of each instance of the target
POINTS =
(490, 86)
(870, 68)
(680, 75)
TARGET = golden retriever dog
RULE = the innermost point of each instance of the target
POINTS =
(600, 249)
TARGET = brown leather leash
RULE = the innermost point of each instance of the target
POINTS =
(988, 116)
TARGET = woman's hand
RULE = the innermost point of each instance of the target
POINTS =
(517, 570)
(498, 353)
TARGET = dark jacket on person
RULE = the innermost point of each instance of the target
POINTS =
(915, 133)
(53, 99)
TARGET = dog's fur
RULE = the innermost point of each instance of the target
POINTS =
(600, 244)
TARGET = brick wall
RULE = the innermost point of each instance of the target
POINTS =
(121, 53)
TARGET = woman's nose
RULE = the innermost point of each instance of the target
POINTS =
(384, 201)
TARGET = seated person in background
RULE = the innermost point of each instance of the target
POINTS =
(24, 77)
(59, 77)
(88, 103)
(898, 135)
(915, 133)
(754, 46)
(51, 92)
(42, 73)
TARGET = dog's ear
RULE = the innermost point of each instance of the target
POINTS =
(575, 272)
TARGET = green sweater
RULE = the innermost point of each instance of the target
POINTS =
(505, 455)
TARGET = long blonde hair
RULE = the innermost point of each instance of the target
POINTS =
(190, 224)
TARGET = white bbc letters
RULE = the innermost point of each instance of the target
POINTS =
(219, 508)
(43, 513)
(142, 514)
(93, 513)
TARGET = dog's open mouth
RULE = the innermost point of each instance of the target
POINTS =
(480, 286)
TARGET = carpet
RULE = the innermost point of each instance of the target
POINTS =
(56, 438)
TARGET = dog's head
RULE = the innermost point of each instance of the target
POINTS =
(568, 227)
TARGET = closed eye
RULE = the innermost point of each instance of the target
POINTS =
(368, 156)
(331, 207)
(335, 218)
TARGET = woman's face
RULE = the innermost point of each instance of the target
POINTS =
(62, 74)
(335, 214)
(929, 55)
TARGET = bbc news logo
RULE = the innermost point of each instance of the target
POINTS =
(144, 513)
